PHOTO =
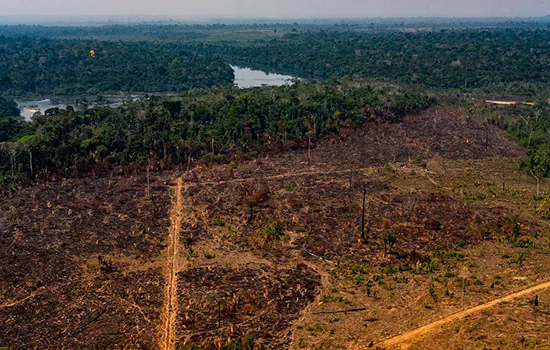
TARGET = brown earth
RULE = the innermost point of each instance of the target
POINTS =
(79, 264)
(406, 340)
(272, 248)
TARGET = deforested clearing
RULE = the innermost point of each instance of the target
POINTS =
(270, 250)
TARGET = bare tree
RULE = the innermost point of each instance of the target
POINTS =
(284, 136)
(363, 213)
(29, 151)
(148, 183)
(309, 149)
(30, 160)
(503, 177)
(11, 149)
(538, 182)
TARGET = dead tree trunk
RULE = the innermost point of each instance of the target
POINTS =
(30, 162)
(284, 138)
(309, 150)
(363, 213)
(538, 182)
(219, 314)
(148, 184)
(503, 182)
(11, 150)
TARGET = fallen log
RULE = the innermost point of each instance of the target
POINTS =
(340, 311)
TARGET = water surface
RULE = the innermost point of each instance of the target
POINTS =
(246, 78)
(29, 108)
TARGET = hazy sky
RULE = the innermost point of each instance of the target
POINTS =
(279, 8)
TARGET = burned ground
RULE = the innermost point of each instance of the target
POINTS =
(448, 133)
(272, 247)
(79, 264)
(220, 303)
(282, 210)
(522, 323)
(321, 214)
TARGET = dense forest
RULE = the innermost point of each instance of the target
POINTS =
(30, 66)
(531, 127)
(182, 31)
(507, 61)
(8, 108)
(503, 59)
(221, 120)
(207, 124)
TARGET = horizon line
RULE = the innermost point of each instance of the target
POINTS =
(230, 17)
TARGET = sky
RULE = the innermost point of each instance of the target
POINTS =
(279, 8)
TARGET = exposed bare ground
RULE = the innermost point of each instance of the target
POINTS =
(80, 263)
(22, 300)
(404, 341)
(314, 284)
(169, 312)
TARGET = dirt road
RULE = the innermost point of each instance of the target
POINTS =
(169, 312)
(405, 340)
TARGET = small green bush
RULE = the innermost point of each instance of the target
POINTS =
(272, 231)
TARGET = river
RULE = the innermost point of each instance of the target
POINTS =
(244, 78)
(29, 108)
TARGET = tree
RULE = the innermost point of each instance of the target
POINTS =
(223, 120)
(64, 67)
(538, 166)
(8, 108)
(11, 150)
(27, 142)
(389, 242)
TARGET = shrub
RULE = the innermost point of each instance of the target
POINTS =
(246, 343)
(272, 231)
(516, 229)
(211, 159)
(290, 187)
(455, 254)
(390, 239)
(520, 258)
(431, 290)
(523, 242)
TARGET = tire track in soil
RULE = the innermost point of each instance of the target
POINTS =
(169, 312)
(287, 175)
(9, 304)
(404, 341)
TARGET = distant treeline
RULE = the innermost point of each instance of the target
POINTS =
(177, 31)
(212, 125)
(531, 127)
(504, 61)
(38, 66)
(494, 56)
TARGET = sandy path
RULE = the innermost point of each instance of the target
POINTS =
(169, 310)
(405, 340)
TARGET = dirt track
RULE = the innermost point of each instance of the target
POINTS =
(167, 340)
(404, 341)
(157, 326)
